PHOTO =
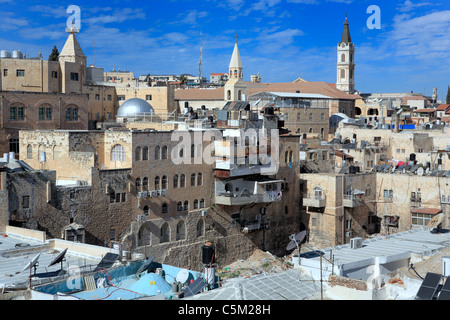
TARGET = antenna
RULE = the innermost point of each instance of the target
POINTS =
(296, 240)
(200, 73)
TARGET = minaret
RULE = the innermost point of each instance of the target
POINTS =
(346, 62)
(235, 68)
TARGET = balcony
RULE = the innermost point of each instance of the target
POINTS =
(315, 201)
(353, 201)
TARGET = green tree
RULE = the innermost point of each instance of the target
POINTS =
(54, 56)
(448, 95)
(183, 79)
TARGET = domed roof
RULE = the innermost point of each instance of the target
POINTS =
(135, 107)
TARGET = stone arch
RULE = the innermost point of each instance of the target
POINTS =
(144, 236)
(165, 233)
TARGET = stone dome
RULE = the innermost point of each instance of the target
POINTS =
(135, 107)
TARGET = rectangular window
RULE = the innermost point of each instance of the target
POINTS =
(25, 202)
(21, 113)
(12, 113)
(21, 73)
(121, 98)
(97, 97)
(5, 72)
(148, 97)
(420, 219)
(74, 76)
(124, 197)
(75, 114)
(109, 97)
(41, 114)
(55, 74)
(48, 114)
(69, 114)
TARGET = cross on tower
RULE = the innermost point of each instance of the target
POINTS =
(236, 37)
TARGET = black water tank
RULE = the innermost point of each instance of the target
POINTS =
(208, 254)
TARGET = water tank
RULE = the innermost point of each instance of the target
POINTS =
(17, 54)
(5, 54)
(6, 157)
(12, 156)
(208, 253)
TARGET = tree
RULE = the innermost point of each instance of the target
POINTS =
(54, 56)
(448, 96)
(183, 79)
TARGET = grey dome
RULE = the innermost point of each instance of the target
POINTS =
(135, 107)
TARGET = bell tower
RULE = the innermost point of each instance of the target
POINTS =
(346, 62)
(235, 88)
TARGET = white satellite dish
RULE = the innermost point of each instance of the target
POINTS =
(32, 263)
(182, 276)
(436, 221)
(420, 171)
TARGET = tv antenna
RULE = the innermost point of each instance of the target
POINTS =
(200, 73)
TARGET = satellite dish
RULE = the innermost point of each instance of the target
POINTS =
(420, 171)
(32, 263)
(182, 276)
(296, 240)
(436, 221)
(59, 258)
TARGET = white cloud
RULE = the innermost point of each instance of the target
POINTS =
(409, 6)
(191, 16)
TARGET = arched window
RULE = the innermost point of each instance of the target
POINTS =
(228, 187)
(29, 152)
(343, 57)
(164, 152)
(186, 205)
(137, 154)
(144, 236)
(193, 180)
(239, 95)
(199, 179)
(118, 153)
(179, 206)
(195, 204)
(202, 203)
(290, 156)
(175, 181)
(138, 184)
(192, 151)
(146, 210)
(343, 74)
(310, 130)
(181, 230)
(145, 154)
(165, 208)
(165, 233)
(310, 116)
(322, 116)
(157, 153)
(145, 184)
(182, 181)
(164, 183)
(229, 95)
(322, 133)
(157, 180)
(200, 228)
(286, 155)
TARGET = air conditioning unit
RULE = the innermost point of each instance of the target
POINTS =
(162, 193)
(140, 218)
(356, 243)
(139, 195)
(204, 213)
(144, 194)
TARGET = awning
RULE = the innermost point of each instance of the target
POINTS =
(426, 210)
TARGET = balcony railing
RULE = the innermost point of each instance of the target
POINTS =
(314, 200)
(236, 199)
(353, 201)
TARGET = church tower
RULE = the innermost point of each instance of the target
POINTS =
(346, 62)
(235, 88)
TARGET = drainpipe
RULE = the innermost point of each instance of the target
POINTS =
(2, 104)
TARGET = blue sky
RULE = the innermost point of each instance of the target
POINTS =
(280, 39)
